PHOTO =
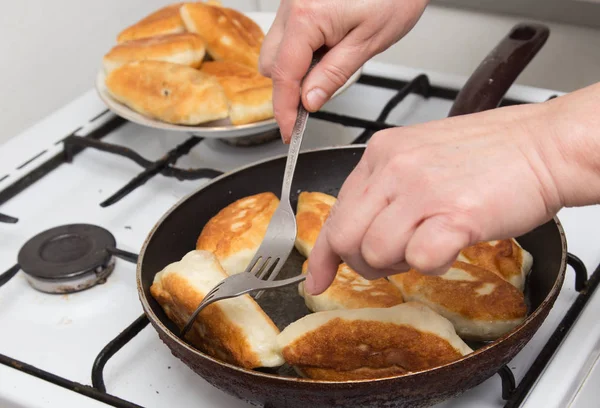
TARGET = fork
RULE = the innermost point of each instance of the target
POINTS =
(237, 285)
(279, 238)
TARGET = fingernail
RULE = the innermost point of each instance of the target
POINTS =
(309, 283)
(315, 98)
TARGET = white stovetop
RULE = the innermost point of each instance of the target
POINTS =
(63, 334)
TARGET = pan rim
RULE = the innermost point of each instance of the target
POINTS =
(158, 324)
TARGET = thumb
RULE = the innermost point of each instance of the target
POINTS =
(332, 72)
(322, 266)
(435, 244)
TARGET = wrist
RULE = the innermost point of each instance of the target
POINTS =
(570, 146)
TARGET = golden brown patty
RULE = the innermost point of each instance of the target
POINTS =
(169, 92)
(234, 330)
(480, 304)
(245, 76)
(250, 94)
(311, 213)
(166, 20)
(229, 35)
(506, 258)
(236, 232)
(349, 290)
(370, 343)
(184, 48)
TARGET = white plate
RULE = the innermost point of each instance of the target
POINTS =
(222, 129)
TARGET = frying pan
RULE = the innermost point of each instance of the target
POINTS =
(325, 170)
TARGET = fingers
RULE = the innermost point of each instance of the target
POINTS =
(292, 60)
(322, 267)
(384, 243)
(359, 202)
(333, 71)
(325, 258)
(270, 44)
(436, 243)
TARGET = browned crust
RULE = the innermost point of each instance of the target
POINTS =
(505, 302)
(249, 93)
(235, 77)
(251, 105)
(169, 92)
(222, 339)
(313, 209)
(364, 373)
(213, 23)
(157, 47)
(504, 259)
(166, 20)
(371, 293)
(224, 69)
(251, 31)
(332, 351)
(256, 211)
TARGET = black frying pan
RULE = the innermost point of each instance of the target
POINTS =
(325, 170)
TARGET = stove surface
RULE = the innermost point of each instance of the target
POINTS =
(63, 334)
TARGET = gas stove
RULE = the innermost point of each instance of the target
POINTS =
(85, 181)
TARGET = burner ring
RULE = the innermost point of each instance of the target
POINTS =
(68, 258)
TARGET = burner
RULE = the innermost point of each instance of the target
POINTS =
(68, 258)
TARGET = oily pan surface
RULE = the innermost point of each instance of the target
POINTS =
(323, 171)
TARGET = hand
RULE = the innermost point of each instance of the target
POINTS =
(353, 31)
(420, 194)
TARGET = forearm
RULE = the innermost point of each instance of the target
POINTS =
(571, 149)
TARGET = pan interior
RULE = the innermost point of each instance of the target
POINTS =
(323, 171)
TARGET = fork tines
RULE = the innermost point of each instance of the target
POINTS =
(262, 270)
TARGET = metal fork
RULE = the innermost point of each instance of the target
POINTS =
(279, 238)
(282, 230)
(237, 285)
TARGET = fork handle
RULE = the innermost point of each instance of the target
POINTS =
(297, 134)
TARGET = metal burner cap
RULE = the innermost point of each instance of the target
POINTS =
(67, 252)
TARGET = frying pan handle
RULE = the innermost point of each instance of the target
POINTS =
(491, 80)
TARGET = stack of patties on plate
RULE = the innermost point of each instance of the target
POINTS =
(156, 68)
(358, 328)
